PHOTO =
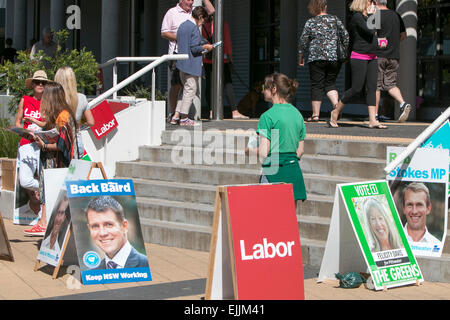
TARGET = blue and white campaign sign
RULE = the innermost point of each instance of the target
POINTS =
(440, 140)
(107, 230)
(419, 186)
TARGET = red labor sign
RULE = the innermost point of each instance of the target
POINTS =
(105, 121)
(264, 241)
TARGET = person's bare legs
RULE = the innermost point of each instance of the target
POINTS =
(333, 95)
(315, 110)
(335, 114)
(373, 122)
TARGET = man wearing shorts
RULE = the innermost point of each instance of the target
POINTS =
(392, 31)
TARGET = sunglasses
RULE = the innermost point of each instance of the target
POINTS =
(39, 82)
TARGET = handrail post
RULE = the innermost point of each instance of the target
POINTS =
(115, 79)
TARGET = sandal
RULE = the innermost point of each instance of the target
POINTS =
(331, 123)
(378, 126)
(313, 119)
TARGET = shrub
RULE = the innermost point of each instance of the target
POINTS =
(8, 141)
(81, 61)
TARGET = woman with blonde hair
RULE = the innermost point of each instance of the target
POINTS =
(385, 236)
(363, 62)
(76, 101)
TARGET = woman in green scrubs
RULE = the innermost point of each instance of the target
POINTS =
(281, 131)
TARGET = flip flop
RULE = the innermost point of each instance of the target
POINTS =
(313, 119)
(241, 117)
(332, 124)
(379, 126)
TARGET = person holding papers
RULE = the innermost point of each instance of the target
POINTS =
(57, 115)
(190, 42)
(28, 117)
(282, 133)
(108, 229)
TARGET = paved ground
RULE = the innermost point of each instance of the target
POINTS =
(178, 274)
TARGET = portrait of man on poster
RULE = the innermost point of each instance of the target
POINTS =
(108, 229)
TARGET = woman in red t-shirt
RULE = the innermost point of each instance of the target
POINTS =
(29, 117)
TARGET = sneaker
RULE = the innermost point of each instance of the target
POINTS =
(36, 230)
(405, 108)
(383, 118)
(174, 121)
(188, 122)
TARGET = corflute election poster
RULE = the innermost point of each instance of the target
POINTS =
(419, 186)
(379, 231)
(107, 231)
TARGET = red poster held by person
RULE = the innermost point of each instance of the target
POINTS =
(104, 118)
(263, 241)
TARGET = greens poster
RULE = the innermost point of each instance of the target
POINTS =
(379, 232)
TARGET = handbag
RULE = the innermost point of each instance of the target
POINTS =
(341, 48)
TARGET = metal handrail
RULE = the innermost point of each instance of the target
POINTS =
(137, 75)
(127, 59)
(419, 140)
(118, 60)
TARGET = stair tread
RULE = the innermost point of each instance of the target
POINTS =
(234, 170)
(309, 156)
(173, 203)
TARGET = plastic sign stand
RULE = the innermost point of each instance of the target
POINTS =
(255, 245)
(366, 236)
(5, 247)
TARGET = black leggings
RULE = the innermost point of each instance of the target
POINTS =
(363, 72)
(323, 76)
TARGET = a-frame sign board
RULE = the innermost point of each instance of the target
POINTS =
(366, 236)
(255, 245)
(5, 247)
(59, 259)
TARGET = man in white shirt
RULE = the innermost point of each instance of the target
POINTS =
(416, 207)
(173, 18)
(108, 229)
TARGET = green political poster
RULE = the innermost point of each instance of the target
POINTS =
(369, 210)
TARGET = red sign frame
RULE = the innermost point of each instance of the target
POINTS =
(266, 249)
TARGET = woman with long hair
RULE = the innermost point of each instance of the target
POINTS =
(57, 115)
(363, 62)
(76, 101)
(385, 236)
(282, 132)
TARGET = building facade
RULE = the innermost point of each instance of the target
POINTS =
(264, 35)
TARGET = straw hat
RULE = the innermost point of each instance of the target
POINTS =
(38, 75)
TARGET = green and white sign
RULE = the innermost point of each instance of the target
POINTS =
(366, 235)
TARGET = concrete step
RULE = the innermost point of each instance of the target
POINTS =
(237, 140)
(315, 183)
(175, 211)
(367, 168)
(184, 192)
(199, 238)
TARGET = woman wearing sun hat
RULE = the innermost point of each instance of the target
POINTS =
(29, 117)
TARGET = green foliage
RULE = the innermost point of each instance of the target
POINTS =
(141, 91)
(81, 61)
(8, 141)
